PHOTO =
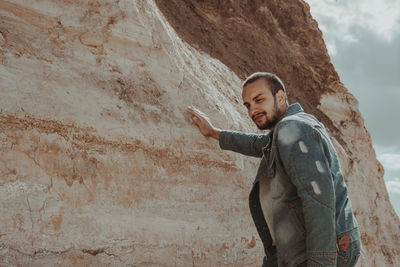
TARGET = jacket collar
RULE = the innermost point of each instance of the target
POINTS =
(292, 109)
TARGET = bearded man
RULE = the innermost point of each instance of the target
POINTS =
(299, 201)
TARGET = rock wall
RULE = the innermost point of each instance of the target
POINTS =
(99, 164)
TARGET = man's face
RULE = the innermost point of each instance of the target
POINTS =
(262, 106)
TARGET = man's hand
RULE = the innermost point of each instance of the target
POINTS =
(203, 123)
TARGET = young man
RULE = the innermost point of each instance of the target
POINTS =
(299, 200)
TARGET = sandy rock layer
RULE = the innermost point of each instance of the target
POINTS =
(99, 164)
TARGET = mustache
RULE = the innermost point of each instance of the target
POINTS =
(259, 113)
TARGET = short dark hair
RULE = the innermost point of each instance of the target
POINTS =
(274, 82)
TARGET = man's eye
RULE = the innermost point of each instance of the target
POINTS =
(259, 100)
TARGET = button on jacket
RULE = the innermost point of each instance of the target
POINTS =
(310, 207)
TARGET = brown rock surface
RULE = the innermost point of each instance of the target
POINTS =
(99, 165)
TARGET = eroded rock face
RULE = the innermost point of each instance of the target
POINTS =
(99, 164)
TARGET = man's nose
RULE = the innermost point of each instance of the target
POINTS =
(252, 111)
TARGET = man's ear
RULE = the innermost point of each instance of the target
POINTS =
(281, 97)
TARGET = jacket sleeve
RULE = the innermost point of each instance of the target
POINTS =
(244, 143)
(306, 162)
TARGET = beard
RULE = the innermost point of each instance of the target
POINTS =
(271, 122)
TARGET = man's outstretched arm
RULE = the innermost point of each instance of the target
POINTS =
(244, 143)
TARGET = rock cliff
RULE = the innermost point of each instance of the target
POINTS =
(99, 164)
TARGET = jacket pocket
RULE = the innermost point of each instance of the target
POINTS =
(269, 156)
(267, 165)
(348, 248)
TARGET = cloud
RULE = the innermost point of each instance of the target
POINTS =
(393, 187)
(331, 46)
(390, 161)
(380, 17)
(362, 38)
(372, 75)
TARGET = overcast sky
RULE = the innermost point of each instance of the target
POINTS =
(363, 40)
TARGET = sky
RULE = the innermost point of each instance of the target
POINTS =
(363, 41)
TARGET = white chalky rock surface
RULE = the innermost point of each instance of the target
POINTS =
(99, 165)
(376, 217)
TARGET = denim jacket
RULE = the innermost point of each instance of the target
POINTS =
(310, 206)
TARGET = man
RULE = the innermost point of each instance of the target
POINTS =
(299, 200)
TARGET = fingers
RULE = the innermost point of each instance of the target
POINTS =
(197, 120)
(197, 115)
(194, 111)
(201, 120)
(193, 115)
